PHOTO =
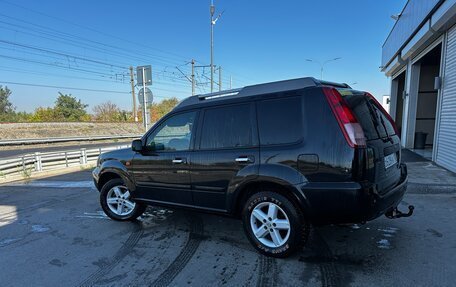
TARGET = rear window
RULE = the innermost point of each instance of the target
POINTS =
(374, 122)
(280, 121)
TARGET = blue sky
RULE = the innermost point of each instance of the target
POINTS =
(90, 45)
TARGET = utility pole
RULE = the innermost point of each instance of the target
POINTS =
(145, 105)
(220, 77)
(212, 11)
(231, 82)
(132, 82)
(193, 77)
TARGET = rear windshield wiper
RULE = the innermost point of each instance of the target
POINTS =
(374, 117)
(379, 116)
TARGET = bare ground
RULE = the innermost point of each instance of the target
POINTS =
(46, 130)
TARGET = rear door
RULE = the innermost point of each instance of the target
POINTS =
(382, 141)
(226, 153)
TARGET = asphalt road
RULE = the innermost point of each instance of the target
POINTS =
(30, 149)
(53, 233)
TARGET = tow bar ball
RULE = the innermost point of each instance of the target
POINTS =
(396, 213)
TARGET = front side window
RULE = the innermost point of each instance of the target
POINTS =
(173, 134)
(227, 127)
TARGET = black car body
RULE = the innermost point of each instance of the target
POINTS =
(331, 151)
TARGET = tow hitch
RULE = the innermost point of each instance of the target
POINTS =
(396, 213)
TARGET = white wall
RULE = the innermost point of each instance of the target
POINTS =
(386, 103)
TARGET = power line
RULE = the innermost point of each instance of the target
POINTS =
(65, 38)
(109, 35)
(60, 87)
(60, 54)
(164, 75)
(30, 72)
(67, 63)
(93, 30)
(55, 65)
(82, 45)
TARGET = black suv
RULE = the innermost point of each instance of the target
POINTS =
(279, 155)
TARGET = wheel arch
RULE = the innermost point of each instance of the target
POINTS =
(114, 169)
(289, 191)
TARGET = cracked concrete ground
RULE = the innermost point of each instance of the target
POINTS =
(53, 233)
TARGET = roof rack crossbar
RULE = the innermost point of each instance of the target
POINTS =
(219, 93)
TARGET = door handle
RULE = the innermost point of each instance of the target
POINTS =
(179, 160)
(243, 159)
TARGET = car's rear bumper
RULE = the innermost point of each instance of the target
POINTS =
(350, 202)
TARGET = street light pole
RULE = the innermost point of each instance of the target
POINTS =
(213, 21)
(212, 11)
(322, 64)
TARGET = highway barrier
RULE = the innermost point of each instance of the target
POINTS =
(27, 165)
(63, 139)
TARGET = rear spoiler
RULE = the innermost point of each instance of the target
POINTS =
(332, 84)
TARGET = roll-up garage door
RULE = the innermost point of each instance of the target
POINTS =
(446, 138)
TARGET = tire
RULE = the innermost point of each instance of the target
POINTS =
(273, 238)
(115, 192)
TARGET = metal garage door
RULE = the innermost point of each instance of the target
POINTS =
(446, 140)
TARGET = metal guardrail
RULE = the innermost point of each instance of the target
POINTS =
(62, 139)
(38, 162)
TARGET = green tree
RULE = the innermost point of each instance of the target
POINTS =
(7, 113)
(43, 115)
(68, 108)
(5, 105)
(158, 110)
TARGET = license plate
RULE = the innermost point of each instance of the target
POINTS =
(390, 160)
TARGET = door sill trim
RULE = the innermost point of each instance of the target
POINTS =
(173, 204)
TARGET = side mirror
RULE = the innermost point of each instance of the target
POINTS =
(136, 145)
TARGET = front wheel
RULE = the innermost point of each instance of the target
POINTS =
(115, 199)
(273, 224)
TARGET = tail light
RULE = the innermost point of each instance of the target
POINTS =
(352, 130)
(385, 113)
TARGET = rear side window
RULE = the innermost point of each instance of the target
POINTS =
(227, 127)
(280, 121)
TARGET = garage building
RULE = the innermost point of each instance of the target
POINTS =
(419, 55)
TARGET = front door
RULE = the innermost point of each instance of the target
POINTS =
(162, 170)
(226, 154)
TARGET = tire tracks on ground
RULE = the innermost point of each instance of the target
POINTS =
(194, 239)
(267, 273)
(123, 251)
(163, 247)
(330, 272)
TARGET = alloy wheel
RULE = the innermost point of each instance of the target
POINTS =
(118, 200)
(270, 224)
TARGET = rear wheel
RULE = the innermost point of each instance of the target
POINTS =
(274, 226)
(115, 199)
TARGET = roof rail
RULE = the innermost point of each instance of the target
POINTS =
(219, 93)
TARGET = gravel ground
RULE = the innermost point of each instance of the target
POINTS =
(66, 129)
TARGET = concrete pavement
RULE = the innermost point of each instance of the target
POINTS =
(53, 233)
(427, 177)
